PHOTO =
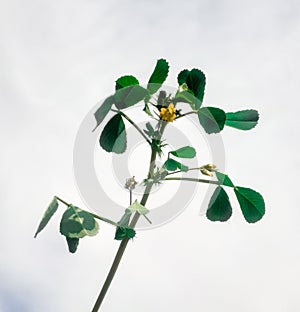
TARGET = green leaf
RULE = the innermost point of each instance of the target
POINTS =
(184, 152)
(224, 179)
(219, 208)
(243, 120)
(124, 232)
(196, 83)
(150, 130)
(154, 134)
(72, 244)
(182, 76)
(146, 109)
(77, 223)
(172, 165)
(113, 136)
(103, 110)
(129, 96)
(187, 96)
(158, 76)
(50, 211)
(137, 207)
(126, 81)
(251, 202)
(195, 80)
(212, 119)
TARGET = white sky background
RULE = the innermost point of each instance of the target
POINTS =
(58, 58)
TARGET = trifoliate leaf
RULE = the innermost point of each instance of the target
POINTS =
(158, 76)
(219, 208)
(128, 96)
(126, 81)
(172, 165)
(103, 110)
(251, 202)
(137, 207)
(113, 136)
(224, 179)
(50, 211)
(72, 244)
(184, 152)
(243, 120)
(212, 119)
(77, 223)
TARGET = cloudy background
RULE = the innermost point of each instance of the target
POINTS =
(58, 58)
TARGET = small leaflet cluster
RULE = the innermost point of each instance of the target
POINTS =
(75, 223)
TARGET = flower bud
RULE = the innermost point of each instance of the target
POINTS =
(130, 183)
(208, 169)
(206, 172)
(183, 87)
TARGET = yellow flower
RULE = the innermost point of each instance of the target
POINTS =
(168, 114)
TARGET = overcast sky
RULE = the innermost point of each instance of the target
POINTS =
(58, 59)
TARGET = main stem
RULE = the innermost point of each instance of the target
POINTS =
(125, 241)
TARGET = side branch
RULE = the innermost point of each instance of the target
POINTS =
(134, 124)
(193, 180)
(93, 214)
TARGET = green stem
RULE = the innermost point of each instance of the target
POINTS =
(130, 197)
(178, 171)
(125, 241)
(133, 123)
(188, 113)
(147, 219)
(61, 200)
(93, 214)
(103, 219)
(111, 274)
(152, 103)
(193, 180)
